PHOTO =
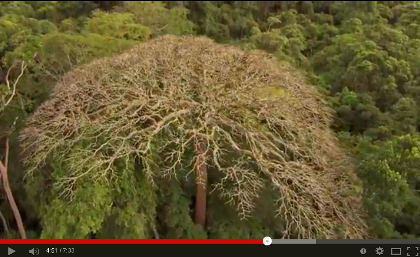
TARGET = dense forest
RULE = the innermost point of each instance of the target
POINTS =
(361, 57)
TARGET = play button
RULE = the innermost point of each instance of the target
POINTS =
(10, 251)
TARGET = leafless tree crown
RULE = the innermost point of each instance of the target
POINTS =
(259, 123)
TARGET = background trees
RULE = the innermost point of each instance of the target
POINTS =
(390, 171)
(364, 56)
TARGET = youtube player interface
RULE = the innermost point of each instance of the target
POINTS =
(256, 126)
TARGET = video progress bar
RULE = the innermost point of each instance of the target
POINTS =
(294, 241)
(344, 241)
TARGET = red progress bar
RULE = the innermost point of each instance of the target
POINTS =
(131, 241)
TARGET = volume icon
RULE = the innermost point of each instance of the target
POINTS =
(34, 251)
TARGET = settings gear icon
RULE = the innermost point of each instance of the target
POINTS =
(379, 250)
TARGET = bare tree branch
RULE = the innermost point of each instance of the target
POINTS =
(9, 194)
(13, 93)
(5, 164)
(3, 220)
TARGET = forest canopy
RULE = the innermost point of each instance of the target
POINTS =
(345, 93)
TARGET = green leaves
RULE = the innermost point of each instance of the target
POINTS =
(80, 217)
(285, 38)
(391, 173)
(134, 204)
(117, 25)
(160, 19)
(59, 52)
(175, 212)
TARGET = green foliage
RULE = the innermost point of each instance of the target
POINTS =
(223, 21)
(83, 216)
(405, 115)
(119, 207)
(134, 209)
(16, 8)
(76, 219)
(16, 30)
(356, 112)
(60, 52)
(369, 59)
(285, 38)
(175, 213)
(117, 25)
(223, 222)
(366, 11)
(391, 178)
(160, 19)
(56, 11)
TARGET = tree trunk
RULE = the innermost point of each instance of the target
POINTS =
(201, 189)
(9, 194)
